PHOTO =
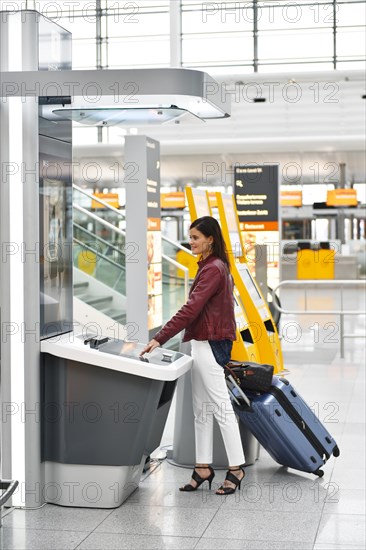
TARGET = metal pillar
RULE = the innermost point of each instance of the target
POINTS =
(20, 311)
(143, 237)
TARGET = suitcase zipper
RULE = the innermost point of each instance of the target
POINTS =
(299, 422)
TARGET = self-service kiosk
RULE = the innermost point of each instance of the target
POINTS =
(256, 307)
(80, 415)
(103, 411)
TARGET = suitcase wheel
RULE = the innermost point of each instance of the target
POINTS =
(336, 451)
(319, 473)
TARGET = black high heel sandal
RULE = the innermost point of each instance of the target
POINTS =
(199, 480)
(233, 479)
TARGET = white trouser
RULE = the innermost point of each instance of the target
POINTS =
(211, 399)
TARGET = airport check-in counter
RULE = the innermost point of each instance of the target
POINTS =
(305, 259)
(103, 412)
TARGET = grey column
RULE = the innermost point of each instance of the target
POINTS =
(142, 180)
(20, 363)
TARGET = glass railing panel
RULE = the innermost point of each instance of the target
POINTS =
(94, 233)
(106, 268)
(169, 249)
(112, 215)
(173, 290)
(182, 254)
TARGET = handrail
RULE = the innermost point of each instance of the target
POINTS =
(100, 220)
(98, 238)
(341, 312)
(100, 201)
(80, 243)
(116, 211)
(183, 268)
(123, 233)
(177, 245)
(304, 283)
(122, 267)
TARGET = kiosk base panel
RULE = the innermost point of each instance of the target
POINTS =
(90, 486)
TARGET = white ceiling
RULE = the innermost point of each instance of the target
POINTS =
(319, 117)
(322, 110)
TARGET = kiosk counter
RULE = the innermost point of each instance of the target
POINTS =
(103, 412)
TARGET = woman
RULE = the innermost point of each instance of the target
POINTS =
(209, 322)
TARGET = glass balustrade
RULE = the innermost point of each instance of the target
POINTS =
(99, 252)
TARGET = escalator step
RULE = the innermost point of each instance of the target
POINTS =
(99, 300)
(80, 287)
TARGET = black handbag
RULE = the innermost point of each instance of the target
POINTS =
(250, 376)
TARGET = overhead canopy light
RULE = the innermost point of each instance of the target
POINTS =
(122, 96)
(112, 116)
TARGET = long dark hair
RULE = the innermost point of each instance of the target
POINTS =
(211, 228)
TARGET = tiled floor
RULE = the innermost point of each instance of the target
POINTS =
(276, 508)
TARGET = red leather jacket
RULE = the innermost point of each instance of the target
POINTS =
(209, 311)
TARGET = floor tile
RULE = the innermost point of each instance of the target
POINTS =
(291, 355)
(168, 494)
(359, 393)
(34, 539)
(355, 442)
(271, 471)
(355, 429)
(349, 456)
(106, 541)
(344, 501)
(266, 526)
(347, 477)
(158, 520)
(329, 546)
(330, 412)
(342, 529)
(56, 518)
(356, 411)
(167, 472)
(277, 508)
(275, 495)
(237, 544)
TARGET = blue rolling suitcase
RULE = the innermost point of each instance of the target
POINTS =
(285, 426)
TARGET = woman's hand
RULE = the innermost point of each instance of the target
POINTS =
(150, 347)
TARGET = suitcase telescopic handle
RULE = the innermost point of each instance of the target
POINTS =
(242, 394)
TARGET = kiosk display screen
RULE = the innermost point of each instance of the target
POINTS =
(250, 285)
(233, 228)
(201, 203)
(132, 350)
(241, 321)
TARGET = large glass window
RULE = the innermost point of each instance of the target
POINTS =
(222, 49)
(350, 35)
(136, 34)
(274, 35)
(121, 34)
(217, 34)
(245, 36)
(137, 52)
(294, 32)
